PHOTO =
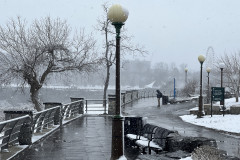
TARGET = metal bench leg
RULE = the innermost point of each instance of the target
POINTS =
(143, 151)
(149, 150)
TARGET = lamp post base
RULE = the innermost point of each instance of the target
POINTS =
(117, 138)
(200, 114)
(200, 108)
(222, 103)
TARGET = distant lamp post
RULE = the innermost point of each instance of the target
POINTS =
(174, 88)
(201, 59)
(221, 65)
(208, 93)
(237, 81)
(186, 70)
(117, 15)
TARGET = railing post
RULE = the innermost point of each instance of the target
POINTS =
(57, 113)
(25, 134)
(61, 115)
(111, 104)
(123, 97)
(10, 114)
(105, 109)
(81, 107)
(86, 106)
(131, 92)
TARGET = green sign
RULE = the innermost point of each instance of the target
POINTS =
(218, 93)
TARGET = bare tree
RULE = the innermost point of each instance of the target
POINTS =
(231, 72)
(30, 53)
(189, 88)
(105, 27)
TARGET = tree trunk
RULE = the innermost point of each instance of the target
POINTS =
(106, 85)
(34, 98)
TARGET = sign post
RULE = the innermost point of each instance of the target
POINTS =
(217, 95)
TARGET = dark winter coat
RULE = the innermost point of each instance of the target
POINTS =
(159, 94)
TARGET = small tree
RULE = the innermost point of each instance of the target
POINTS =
(30, 53)
(105, 27)
(231, 72)
(190, 87)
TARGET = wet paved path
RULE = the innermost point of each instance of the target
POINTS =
(167, 116)
(87, 138)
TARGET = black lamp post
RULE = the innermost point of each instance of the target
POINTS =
(237, 80)
(221, 68)
(238, 83)
(186, 70)
(117, 15)
(201, 59)
(208, 93)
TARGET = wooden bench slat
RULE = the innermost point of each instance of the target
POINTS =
(148, 144)
(151, 137)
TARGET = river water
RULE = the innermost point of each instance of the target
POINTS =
(18, 99)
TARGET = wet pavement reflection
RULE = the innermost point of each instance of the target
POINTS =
(87, 138)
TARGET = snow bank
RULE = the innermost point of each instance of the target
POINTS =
(229, 102)
(229, 123)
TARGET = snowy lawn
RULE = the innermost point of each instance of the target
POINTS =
(229, 123)
(229, 102)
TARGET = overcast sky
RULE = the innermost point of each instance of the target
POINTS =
(171, 30)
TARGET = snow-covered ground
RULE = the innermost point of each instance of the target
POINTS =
(215, 122)
(218, 122)
(230, 102)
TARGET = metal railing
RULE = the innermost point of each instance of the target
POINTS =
(133, 95)
(71, 109)
(96, 105)
(10, 130)
(45, 119)
(19, 130)
(14, 130)
(55, 115)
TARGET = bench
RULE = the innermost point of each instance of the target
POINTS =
(160, 138)
(152, 138)
(144, 136)
(147, 131)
